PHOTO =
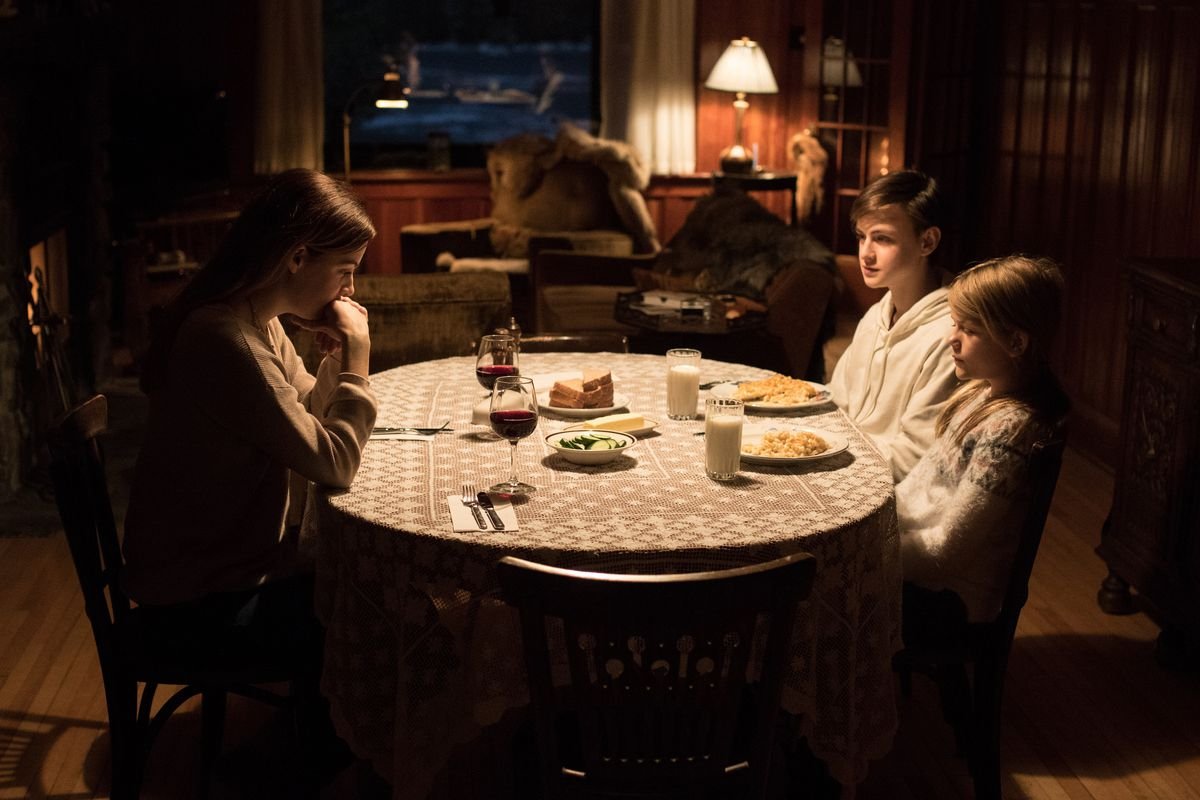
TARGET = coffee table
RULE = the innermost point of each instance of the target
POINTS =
(704, 326)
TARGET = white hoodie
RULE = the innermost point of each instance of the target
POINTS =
(893, 380)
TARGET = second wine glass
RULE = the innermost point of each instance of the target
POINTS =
(514, 415)
(497, 358)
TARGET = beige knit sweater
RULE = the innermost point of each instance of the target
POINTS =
(962, 506)
(237, 419)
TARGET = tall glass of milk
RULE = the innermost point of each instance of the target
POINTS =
(683, 382)
(723, 417)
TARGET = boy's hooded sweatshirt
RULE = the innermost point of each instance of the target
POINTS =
(894, 379)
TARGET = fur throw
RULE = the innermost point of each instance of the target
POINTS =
(731, 244)
(576, 182)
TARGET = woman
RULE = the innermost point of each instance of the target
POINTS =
(234, 417)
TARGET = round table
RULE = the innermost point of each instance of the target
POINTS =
(421, 655)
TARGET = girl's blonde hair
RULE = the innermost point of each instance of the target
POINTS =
(1005, 297)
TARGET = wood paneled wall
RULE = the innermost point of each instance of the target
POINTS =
(1085, 147)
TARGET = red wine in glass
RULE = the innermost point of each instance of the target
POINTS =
(514, 424)
(487, 374)
(513, 413)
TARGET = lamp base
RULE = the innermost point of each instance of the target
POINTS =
(737, 160)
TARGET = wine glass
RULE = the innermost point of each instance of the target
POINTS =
(514, 415)
(497, 358)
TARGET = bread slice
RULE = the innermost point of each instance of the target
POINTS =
(594, 390)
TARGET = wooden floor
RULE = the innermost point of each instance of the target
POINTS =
(1088, 714)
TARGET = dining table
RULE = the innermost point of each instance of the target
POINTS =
(422, 655)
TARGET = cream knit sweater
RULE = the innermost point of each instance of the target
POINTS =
(237, 419)
(894, 379)
(961, 508)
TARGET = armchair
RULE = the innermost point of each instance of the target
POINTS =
(576, 193)
(729, 243)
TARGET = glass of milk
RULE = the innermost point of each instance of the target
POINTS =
(683, 382)
(723, 417)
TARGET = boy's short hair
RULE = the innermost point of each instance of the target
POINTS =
(914, 192)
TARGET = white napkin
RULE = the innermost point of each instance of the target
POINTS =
(416, 437)
(463, 520)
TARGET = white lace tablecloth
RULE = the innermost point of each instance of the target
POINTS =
(421, 655)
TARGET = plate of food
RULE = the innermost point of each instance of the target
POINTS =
(776, 446)
(627, 422)
(590, 395)
(780, 394)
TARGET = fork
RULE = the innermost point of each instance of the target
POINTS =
(469, 500)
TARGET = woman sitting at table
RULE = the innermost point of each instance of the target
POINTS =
(961, 507)
(897, 373)
(234, 418)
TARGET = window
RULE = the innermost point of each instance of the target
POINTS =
(475, 72)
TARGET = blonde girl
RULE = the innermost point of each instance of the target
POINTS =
(960, 507)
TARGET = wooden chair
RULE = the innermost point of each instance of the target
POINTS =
(598, 342)
(657, 702)
(128, 654)
(973, 706)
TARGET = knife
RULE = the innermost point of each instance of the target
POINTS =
(490, 508)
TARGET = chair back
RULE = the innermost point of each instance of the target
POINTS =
(81, 492)
(657, 672)
(1045, 461)
(597, 342)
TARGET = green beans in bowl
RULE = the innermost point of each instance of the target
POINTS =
(590, 446)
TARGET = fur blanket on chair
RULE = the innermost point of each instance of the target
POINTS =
(576, 182)
(731, 244)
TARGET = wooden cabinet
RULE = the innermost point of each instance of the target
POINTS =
(1152, 537)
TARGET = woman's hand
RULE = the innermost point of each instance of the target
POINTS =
(342, 329)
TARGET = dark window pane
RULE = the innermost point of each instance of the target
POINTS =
(477, 72)
(850, 169)
(878, 93)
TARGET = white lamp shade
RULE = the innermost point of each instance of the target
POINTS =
(838, 67)
(743, 67)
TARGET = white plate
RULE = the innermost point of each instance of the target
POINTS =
(620, 401)
(819, 399)
(650, 425)
(838, 442)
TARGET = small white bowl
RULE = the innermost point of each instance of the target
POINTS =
(591, 456)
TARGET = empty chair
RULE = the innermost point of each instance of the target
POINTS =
(129, 655)
(658, 703)
(972, 704)
(597, 342)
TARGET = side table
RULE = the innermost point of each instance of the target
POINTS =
(760, 182)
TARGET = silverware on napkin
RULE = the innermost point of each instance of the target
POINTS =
(490, 508)
(419, 431)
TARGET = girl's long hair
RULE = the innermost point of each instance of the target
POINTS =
(1002, 297)
(299, 207)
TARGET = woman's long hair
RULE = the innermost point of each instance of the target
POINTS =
(1003, 297)
(299, 207)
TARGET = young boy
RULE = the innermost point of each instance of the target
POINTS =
(898, 371)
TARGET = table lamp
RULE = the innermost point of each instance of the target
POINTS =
(743, 69)
(839, 70)
(393, 94)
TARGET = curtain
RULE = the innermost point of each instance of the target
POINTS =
(290, 89)
(647, 87)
